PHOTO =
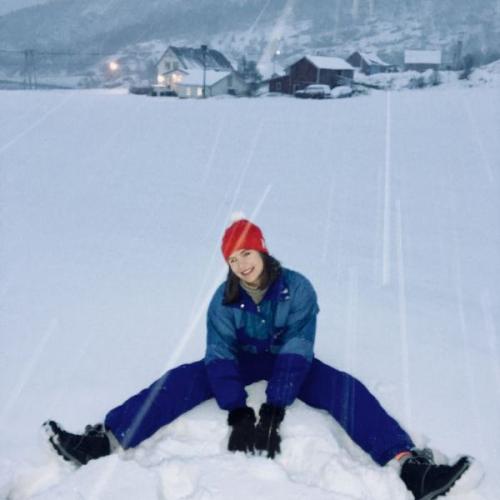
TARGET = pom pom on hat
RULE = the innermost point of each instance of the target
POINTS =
(236, 216)
(242, 234)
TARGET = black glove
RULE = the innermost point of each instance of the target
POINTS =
(267, 437)
(242, 420)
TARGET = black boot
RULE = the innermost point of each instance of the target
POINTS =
(78, 448)
(426, 480)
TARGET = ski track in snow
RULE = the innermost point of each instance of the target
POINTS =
(352, 320)
(386, 270)
(492, 333)
(403, 318)
(479, 142)
(330, 197)
(466, 344)
(213, 151)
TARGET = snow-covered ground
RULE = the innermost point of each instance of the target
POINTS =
(484, 76)
(112, 208)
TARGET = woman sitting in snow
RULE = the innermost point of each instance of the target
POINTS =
(261, 325)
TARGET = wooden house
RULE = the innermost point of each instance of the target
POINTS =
(369, 64)
(331, 71)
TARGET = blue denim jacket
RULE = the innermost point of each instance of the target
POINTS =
(282, 326)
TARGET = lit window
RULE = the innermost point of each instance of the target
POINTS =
(199, 91)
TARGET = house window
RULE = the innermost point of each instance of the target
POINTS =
(230, 81)
(199, 91)
(278, 86)
(188, 91)
(175, 65)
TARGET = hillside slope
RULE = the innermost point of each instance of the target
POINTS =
(255, 28)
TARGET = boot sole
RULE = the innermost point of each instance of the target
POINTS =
(465, 464)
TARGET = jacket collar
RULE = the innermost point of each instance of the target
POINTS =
(277, 292)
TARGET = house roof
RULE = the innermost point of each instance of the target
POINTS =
(422, 56)
(192, 58)
(195, 77)
(372, 59)
(322, 62)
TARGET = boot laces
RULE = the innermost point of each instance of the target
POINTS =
(423, 456)
(94, 430)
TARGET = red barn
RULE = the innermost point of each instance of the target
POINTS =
(332, 71)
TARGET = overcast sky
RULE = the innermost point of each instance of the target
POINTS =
(10, 5)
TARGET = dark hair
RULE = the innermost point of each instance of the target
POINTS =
(271, 272)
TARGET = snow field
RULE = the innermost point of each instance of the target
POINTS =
(112, 208)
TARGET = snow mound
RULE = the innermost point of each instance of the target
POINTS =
(341, 91)
(488, 75)
(188, 459)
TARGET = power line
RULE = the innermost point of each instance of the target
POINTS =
(72, 53)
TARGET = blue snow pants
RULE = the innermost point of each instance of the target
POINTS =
(346, 399)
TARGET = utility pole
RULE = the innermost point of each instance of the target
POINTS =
(29, 69)
(204, 53)
(457, 56)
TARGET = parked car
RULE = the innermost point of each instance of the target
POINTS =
(141, 89)
(314, 91)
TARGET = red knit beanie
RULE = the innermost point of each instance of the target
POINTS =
(242, 234)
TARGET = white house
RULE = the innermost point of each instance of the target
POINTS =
(188, 58)
(189, 83)
(422, 60)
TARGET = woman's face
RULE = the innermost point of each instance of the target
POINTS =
(247, 265)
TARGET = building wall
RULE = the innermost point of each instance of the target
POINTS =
(168, 62)
(335, 77)
(421, 67)
(172, 78)
(371, 69)
(281, 84)
(232, 82)
(302, 74)
(355, 60)
(222, 87)
(190, 91)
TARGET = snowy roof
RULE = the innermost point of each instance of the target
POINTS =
(372, 59)
(323, 62)
(192, 58)
(422, 56)
(195, 77)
